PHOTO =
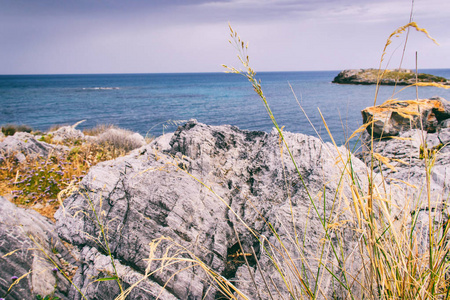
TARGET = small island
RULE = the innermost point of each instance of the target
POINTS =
(391, 77)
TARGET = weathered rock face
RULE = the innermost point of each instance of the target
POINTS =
(347, 76)
(395, 116)
(27, 241)
(402, 163)
(67, 133)
(402, 158)
(406, 156)
(25, 145)
(232, 176)
(445, 124)
(390, 77)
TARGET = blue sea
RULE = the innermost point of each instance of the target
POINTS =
(149, 103)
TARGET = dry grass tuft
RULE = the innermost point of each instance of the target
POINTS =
(98, 129)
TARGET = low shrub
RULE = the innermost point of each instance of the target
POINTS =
(11, 129)
(120, 141)
(98, 129)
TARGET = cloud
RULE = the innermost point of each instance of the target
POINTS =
(177, 35)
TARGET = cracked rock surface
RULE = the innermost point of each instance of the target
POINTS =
(27, 243)
(24, 145)
(396, 116)
(196, 188)
(406, 157)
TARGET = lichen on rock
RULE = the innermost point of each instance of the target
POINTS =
(395, 116)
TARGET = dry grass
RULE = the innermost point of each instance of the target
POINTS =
(403, 249)
(119, 141)
(36, 182)
(98, 129)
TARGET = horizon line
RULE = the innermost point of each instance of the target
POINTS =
(168, 73)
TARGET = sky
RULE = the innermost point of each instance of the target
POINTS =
(167, 36)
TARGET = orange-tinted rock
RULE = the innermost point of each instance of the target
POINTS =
(395, 116)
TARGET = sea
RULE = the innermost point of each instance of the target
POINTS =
(154, 104)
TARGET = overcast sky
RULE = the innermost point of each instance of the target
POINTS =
(150, 36)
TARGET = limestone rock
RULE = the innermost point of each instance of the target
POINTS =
(401, 161)
(445, 123)
(66, 133)
(406, 156)
(96, 264)
(162, 143)
(25, 145)
(232, 176)
(443, 108)
(27, 241)
(395, 116)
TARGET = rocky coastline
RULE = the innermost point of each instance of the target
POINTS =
(390, 77)
(194, 189)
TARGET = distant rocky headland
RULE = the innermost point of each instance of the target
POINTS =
(391, 77)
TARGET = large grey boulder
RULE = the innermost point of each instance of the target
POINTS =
(23, 145)
(232, 177)
(445, 123)
(443, 112)
(96, 264)
(29, 251)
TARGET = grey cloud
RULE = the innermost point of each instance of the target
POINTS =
(117, 35)
(92, 7)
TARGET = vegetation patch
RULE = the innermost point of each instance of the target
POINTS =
(11, 129)
(37, 182)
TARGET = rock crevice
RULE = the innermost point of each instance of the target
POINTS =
(235, 176)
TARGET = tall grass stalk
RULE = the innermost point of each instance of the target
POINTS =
(38, 245)
(390, 243)
(396, 260)
(393, 266)
(104, 237)
(250, 74)
(400, 257)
